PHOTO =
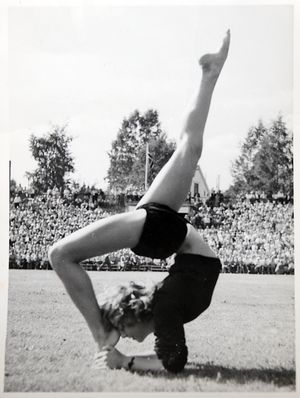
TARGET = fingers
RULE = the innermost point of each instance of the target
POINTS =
(100, 354)
(100, 360)
(99, 365)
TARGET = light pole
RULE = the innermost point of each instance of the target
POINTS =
(218, 182)
(146, 165)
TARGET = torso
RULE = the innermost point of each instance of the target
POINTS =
(194, 244)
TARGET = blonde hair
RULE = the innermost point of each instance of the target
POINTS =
(126, 305)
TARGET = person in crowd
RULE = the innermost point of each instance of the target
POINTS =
(17, 200)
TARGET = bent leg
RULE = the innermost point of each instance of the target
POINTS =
(103, 236)
(172, 184)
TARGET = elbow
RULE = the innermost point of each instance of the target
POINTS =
(57, 256)
(53, 256)
(174, 362)
(175, 366)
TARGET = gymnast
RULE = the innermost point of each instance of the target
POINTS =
(154, 229)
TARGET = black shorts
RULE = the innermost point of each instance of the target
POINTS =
(163, 233)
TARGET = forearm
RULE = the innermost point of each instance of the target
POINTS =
(143, 362)
(80, 289)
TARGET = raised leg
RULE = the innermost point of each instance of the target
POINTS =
(173, 182)
(107, 235)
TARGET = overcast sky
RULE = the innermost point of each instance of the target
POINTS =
(91, 67)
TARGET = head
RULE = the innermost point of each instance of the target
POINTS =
(128, 308)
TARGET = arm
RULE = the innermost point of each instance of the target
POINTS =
(114, 359)
(143, 362)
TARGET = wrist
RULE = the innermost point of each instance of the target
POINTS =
(125, 361)
(128, 362)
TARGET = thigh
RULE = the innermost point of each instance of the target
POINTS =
(172, 184)
(194, 244)
(104, 236)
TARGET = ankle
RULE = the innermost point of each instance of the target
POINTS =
(210, 77)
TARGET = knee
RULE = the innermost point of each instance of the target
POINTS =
(192, 143)
(58, 255)
(196, 147)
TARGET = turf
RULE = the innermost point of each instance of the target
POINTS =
(244, 342)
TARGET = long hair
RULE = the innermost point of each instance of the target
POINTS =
(126, 304)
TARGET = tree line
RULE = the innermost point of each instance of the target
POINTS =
(265, 162)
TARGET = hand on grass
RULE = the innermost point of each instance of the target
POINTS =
(109, 358)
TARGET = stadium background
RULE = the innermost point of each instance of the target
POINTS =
(252, 233)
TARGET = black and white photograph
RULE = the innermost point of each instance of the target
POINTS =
(150, 204)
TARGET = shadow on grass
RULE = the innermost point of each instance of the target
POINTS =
(278, 376)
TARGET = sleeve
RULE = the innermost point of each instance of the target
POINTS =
(170, 344)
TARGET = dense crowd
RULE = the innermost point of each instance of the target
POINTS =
(79, 196)
(253, 234)
(250, 237)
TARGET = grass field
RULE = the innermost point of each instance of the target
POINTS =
(244, 342)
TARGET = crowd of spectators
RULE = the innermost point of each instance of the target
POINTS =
(249, 237)
(78, 196)
(252, 234)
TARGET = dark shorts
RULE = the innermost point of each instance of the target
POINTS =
(163, 233)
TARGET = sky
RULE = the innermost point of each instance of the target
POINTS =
(89, 67)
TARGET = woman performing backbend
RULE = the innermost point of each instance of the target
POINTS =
(154, 229)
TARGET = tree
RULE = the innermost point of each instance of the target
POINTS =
(242, 168)
(127, 155)
(53, 156)
(266, 160)
(160, 151)
(273, 164)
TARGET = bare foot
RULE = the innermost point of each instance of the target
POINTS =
(212, 64)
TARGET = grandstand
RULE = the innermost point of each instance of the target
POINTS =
(252, 234)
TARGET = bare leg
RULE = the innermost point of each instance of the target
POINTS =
(107, 235)
(173, 182)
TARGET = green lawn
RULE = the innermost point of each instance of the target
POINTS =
(244, 342)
